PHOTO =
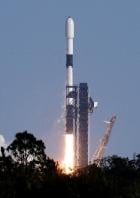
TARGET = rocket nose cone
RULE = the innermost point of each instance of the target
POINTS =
(69, 28)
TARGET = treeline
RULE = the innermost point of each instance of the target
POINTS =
(26, 171)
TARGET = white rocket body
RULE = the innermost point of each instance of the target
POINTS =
(69, 50)
(69, 84)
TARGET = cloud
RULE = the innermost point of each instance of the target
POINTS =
(2, 141)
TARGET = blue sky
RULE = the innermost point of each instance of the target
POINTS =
(32, 69)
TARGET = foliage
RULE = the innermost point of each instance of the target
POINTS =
(26, 171)
(27, 150)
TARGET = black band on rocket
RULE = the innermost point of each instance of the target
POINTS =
(69, 60)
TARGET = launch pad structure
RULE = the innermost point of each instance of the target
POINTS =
(77, 121)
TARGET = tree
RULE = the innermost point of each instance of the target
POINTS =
(6, 163)
(26, 150)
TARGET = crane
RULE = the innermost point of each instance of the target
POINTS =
(98, 155)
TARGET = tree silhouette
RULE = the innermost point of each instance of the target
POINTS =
(26, 150)
(26, 171)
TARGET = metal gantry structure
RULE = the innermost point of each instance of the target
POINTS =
(83, 125)
(99, 153)
(78, 106)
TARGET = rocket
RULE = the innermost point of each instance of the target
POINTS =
(78, 105)
(69, 33)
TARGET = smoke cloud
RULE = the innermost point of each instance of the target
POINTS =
(2, 141)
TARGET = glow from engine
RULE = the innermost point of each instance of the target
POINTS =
(69, 154)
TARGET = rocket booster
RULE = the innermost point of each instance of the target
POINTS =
(69, 66)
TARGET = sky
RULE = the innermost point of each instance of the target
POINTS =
(33, 72)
